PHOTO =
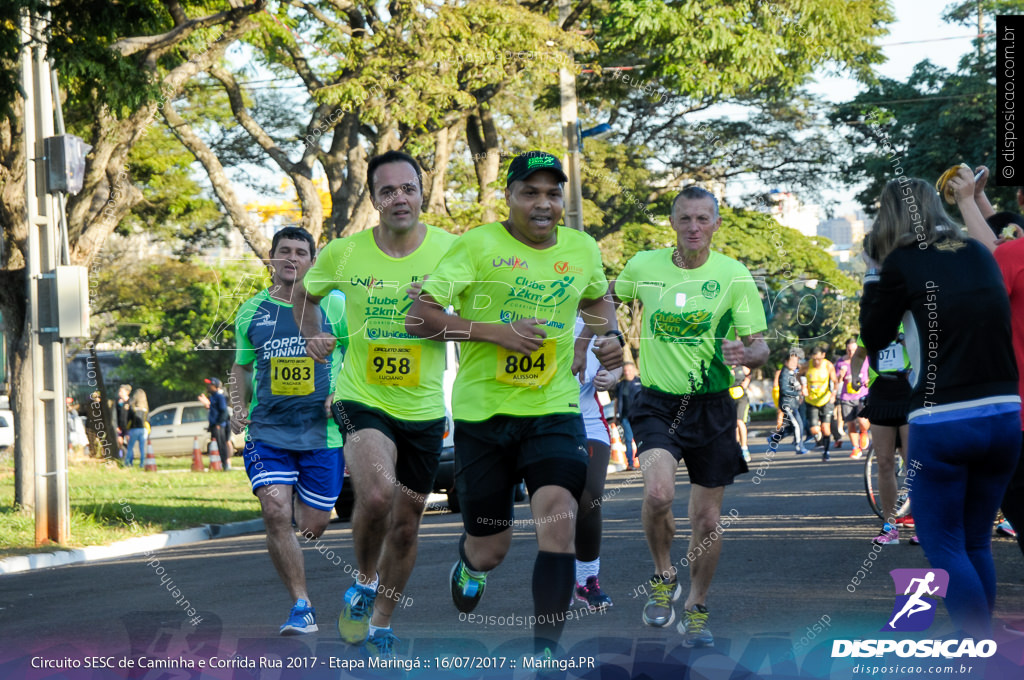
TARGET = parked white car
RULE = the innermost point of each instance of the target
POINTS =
(173, 427)
(6, 429)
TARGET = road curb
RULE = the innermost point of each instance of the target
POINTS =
(131, 546)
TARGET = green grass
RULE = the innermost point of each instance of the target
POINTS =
(768, 413)
(110, 503)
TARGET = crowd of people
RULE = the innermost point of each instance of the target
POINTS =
(346, 346)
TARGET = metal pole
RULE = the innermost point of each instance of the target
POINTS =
(570, 134)
(47, 350)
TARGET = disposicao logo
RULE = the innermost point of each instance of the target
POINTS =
(917, 593)
(540, 162)
(917, 600)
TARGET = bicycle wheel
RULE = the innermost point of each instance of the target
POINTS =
(902, 492)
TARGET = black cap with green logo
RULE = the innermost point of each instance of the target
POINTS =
(525, 164)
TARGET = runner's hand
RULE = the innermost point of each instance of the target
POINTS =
(238, 422)
(733, 352)
(979, 185)
(608, 351)
(605, 380)
(320, 346)
(415, 288)
(962, 184)
(524, 336)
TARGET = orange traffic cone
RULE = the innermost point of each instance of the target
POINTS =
(197, 456)
(618, 456)
(632, 456)
(215, 456)
(149, 464)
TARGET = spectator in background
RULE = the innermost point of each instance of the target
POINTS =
(218, 418)
(121, 418)
(138, 414)
(625, 395)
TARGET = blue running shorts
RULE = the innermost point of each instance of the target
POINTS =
(316, 475)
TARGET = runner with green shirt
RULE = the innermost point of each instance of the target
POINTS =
(389, 399)
(694, 300)
(518, 284)
(886, 408)
(291, 443)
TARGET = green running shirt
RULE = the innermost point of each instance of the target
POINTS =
(687, 313)
(492, 277)
(385, 367)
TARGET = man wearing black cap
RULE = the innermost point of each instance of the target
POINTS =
(218, 418)
(517, 285)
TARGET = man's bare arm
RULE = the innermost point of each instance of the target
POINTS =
(427, 319)
(307, 315)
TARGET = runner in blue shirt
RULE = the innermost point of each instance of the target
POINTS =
(292, 444)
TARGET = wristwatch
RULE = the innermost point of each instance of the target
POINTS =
(618, 334)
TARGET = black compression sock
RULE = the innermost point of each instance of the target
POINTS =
(462, 554)
(554, 575)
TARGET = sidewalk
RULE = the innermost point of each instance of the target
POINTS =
(131, 546)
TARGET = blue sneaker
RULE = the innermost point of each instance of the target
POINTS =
(381, 644)
(467, 588)
(302, 620)
(354, 622)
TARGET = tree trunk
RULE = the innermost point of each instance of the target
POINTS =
(434, 189)
(222, 186)
(99, 420)
(482, 136)
(14, 307)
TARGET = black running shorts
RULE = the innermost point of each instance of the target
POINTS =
(418, 442)
(699, 429)
(492, 455)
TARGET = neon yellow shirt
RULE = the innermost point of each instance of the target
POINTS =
(492, 277)
(818, 392)
(687, 313)
(385, 367)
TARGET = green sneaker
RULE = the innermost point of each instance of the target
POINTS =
(694, 627)
(467, 587)
(658, 611)
(354, 622)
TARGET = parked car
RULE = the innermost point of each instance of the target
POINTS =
(174, 426)
(6, 429)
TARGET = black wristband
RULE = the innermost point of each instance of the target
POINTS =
(618, 334)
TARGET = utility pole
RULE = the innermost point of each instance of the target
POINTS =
(46, 354)
(570, 134)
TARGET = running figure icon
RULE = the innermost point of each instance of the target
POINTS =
(915, 603)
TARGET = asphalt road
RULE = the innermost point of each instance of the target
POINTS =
(780, 596)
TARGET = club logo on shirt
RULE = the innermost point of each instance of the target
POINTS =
(513, 262)
(710, 289)
(369, 282)
(264, 320)
(566, 268)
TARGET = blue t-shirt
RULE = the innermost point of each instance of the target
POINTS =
(218, 409)
(289, 388)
